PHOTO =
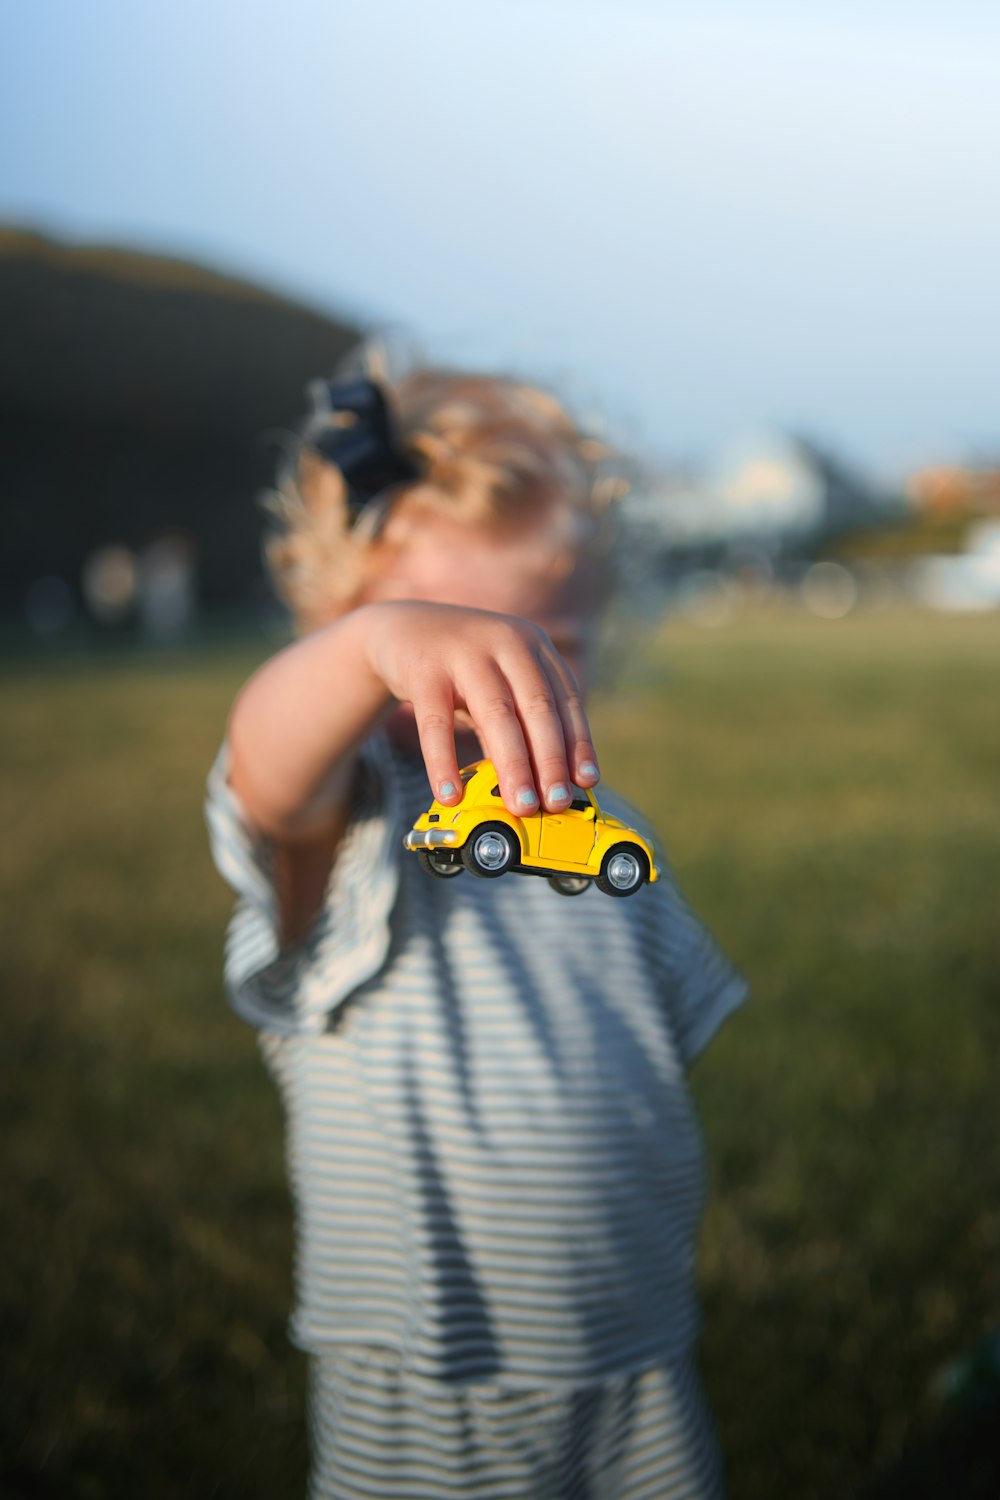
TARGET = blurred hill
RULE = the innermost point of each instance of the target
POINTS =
(141, 395)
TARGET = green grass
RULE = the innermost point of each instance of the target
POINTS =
(827, 794)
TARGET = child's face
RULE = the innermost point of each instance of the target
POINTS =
(530, 572)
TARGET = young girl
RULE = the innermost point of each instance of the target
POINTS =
(495, 1165)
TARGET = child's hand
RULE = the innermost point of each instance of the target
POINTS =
(498, 673)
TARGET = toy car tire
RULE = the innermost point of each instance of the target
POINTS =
(491, 850)
(440, 865)
(570, 885)
(623, 870)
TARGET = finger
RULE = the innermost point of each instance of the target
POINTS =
(434, 711)
(488, 698)
(580, 750)
(535, 700)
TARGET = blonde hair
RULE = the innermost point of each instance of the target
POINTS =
(491, 451)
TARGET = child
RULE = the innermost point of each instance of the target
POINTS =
(495, 1165)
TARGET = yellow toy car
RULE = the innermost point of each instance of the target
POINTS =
(572, 848)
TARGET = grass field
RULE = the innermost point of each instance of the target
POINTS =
(828, 797)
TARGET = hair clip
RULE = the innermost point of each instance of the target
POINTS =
(363, 444)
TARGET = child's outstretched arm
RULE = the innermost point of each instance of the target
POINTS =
(298, 724)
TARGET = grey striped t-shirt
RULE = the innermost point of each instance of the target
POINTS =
(494, 1158)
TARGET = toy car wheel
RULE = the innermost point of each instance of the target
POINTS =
(569, 885)
(444, 866)
(491, 850)
(623, 870)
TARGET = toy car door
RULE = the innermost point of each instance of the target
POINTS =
(568, 837)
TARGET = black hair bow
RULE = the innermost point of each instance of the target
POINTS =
(365, 450)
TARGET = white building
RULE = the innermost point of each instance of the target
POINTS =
(771, 491)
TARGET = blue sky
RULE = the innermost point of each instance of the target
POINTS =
(700, 218)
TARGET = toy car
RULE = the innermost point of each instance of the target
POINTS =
(572, 848)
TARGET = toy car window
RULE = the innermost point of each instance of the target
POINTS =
(467, 775)
(580, 803)
(495, 791)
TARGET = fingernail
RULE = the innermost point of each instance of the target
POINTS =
(527, 798)
(446, 789)
(558, 793)
(589, 769)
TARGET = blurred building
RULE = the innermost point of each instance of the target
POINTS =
(964, 583)
(141, 398)
(771, 494)
(956, 489)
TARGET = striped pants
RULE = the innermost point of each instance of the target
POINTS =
(378, 1435)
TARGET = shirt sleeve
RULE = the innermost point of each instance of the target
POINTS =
(700, 985)
(295, 991)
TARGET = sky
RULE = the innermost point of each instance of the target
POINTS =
(697, 220)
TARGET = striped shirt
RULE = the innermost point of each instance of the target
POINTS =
(494, 1159)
